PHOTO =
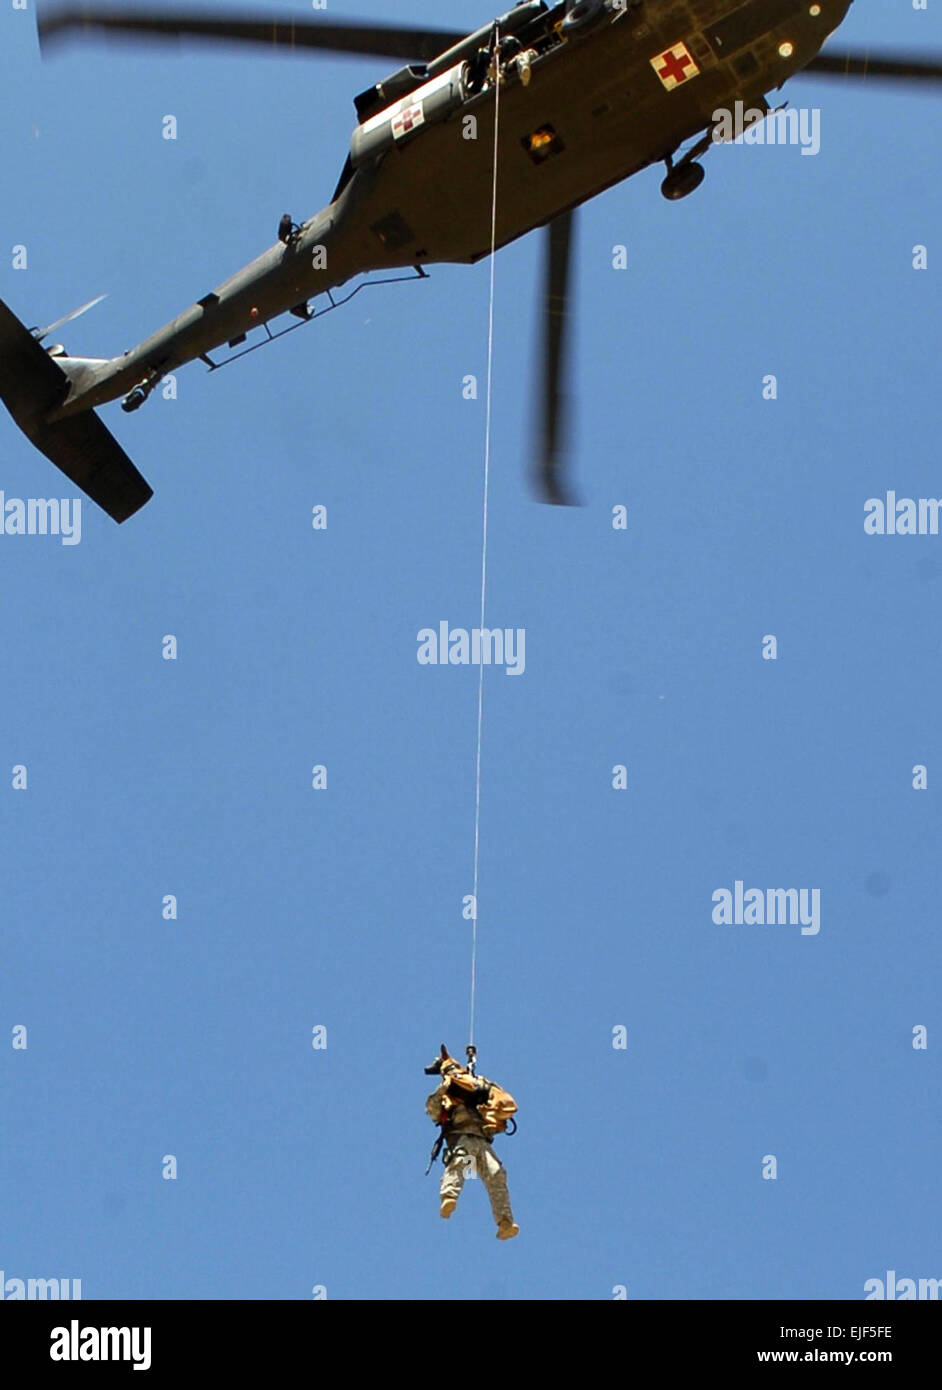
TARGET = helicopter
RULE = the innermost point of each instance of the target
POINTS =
(478, 140)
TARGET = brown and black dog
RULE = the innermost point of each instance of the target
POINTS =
(494, 1105)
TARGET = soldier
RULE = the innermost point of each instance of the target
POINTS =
(469, 1111)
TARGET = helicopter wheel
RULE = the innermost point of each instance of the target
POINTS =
(683, 181)
(134, 400)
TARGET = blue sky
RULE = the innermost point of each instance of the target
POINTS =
(341, 907)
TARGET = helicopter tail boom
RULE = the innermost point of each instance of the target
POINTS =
(32, 385)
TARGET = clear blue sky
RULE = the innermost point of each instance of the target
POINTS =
(342, 907)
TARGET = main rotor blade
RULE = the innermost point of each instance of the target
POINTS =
(550, 467)
(880, 67)
(75, 20)
(40, 333)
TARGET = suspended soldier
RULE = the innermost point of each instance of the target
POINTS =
(469, 1111)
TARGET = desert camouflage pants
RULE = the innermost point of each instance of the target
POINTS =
(469, 1151)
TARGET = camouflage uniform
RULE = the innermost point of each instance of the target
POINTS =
(467, 1145)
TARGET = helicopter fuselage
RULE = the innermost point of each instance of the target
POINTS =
(577, 110)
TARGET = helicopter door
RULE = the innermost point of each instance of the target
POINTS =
(433, 102)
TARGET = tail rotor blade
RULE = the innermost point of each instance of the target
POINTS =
(40, 333)
(550, 466)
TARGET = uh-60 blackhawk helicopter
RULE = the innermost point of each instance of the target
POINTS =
(585, 94)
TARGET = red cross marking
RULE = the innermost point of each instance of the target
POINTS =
(407, 120)
(675, 65)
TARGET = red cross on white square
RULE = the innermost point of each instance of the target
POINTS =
(407, 120)
(675, 66)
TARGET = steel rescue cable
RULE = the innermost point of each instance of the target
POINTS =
(495, 46)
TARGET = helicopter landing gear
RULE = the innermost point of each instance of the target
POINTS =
(139, 394)
(682, 181)
(684, 178)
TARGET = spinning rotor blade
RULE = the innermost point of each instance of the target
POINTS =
(75, 20)
(880, 67)
(40, 333)
(550, 465)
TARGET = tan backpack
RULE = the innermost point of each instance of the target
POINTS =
(499, 1108)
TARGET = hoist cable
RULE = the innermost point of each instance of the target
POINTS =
(487, 477)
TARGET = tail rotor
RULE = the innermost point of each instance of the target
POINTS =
(40, 333)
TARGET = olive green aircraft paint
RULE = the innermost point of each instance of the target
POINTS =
(590, 92)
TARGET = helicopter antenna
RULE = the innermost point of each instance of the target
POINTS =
(495, 69)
